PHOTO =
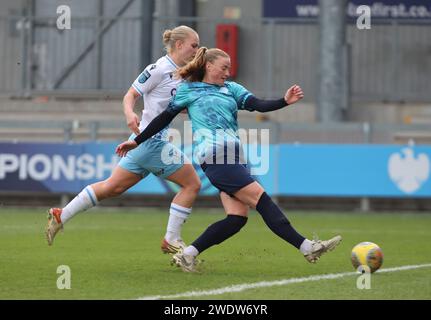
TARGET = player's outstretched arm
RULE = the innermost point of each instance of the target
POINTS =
(155, 126)
(292, 95)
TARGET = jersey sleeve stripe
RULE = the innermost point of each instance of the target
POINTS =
(137, 89)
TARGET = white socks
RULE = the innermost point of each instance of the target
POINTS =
(84, 200)
(305, 246)
(177, 216)
(191, 251)
(87, 199)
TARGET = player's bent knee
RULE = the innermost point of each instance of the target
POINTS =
(196, 186)
(249, 198)
(193, 186)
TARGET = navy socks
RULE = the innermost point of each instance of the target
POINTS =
(226, 228)
(277, 222)
(219, 232)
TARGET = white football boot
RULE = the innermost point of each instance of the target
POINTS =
(319, 247)
(54, 224)
(173, 246)
(186, 262)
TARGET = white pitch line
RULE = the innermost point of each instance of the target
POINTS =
(263, 284)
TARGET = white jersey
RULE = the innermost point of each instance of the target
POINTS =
(157, 85)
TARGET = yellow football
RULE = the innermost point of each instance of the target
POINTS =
(367, 254)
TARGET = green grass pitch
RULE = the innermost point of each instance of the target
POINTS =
(114, 254)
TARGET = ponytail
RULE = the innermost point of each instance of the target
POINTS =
(194, 71)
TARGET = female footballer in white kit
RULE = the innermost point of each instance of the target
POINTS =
(156, 85)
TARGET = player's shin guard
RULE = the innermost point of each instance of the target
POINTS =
(277, 221)
(219, 232)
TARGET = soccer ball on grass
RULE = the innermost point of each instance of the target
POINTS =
(367, 254)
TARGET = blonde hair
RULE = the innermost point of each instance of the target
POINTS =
(172, 36)
(195, 69)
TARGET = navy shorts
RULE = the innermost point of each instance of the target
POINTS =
(229, 178)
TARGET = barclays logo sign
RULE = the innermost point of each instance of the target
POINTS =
(407, 170)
